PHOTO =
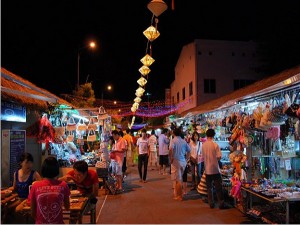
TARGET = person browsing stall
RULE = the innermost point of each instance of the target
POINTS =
(212, 154)
(119, 149)
(49, 195)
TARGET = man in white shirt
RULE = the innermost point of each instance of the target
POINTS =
(143, 148)
(153, 150)
(212, 154)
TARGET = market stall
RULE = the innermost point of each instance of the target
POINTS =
(260, 123)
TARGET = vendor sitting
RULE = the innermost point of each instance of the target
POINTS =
(86, 181)
(23, 179)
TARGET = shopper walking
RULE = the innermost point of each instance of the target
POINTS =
(143, 148)
(196, 148)
(179, 151)
(212, 154)
(163, 151)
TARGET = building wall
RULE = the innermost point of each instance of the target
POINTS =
(185, 73)
(216, 61)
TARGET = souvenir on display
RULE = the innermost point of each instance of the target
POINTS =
(81, 126)
(71, 125)
(102, 115)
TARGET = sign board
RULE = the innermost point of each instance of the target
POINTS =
(13, 112)
(13, 145)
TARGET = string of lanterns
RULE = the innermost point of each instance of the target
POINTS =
(157, 7)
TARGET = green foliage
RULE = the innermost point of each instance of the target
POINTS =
(84, 96)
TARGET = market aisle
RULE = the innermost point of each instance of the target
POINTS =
(152, 202)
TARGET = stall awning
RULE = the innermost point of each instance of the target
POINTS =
(282, 81)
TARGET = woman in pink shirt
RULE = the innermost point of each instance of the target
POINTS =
(49, 195)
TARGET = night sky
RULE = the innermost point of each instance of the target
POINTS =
(40, 39)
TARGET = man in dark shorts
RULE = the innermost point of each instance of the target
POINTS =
(163, 151)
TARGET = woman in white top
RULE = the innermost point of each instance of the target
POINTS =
(195, 145)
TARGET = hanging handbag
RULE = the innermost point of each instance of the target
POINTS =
(71, 125)
(59, 131)
(91, 136)
(81, 126)
(294, 107)
(92, 125)
(102, 115)
(70, 137)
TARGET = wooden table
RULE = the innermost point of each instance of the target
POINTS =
(5, 203)
(74, 214)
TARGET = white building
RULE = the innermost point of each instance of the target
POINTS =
(208, 69)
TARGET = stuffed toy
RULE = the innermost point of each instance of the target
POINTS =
(236, 187)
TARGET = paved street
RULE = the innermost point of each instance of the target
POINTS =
(152, 202)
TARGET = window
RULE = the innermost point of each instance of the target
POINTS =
(237, 84)
(173, 100)
(177, 97)
(183, 93)
(209, 86)
(199, 53)
(191, 88)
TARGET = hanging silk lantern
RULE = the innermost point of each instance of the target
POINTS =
(139, 92)
(142, 81)
(135, 105)
(144, 70)
(137, 99)
(151, 33)
(147, 60)
(157, 7)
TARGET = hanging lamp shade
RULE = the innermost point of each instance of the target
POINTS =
(151, 33)
(137, 99)
(142, 81)
(157, 7)
(135, 105)
(133, 109)
(147, 60)
(139, 92)
(144, 70)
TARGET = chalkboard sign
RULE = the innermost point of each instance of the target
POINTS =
(17, 147)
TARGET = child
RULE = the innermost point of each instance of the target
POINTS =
(47, 196)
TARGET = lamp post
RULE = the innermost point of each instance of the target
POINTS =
(148, 95)
(109, 87)
(91, 45)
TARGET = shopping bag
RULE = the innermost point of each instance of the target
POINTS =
(92, 125)
(91, 136)
(102, 115)
(81, 126)
(71, 125)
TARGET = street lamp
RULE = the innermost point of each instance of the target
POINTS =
(148, 95)
(91, 45)
(109, 88)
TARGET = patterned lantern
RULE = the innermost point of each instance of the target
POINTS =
(147, 60)
(139, 92)
(137, 99)
(142, 81)
(157, 7)
(151, 33)
(144, 70)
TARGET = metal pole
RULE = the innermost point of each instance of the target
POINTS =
(78, 58)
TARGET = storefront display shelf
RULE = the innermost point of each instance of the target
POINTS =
(285, 201)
